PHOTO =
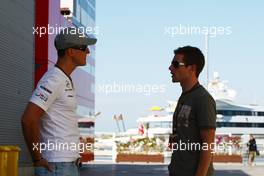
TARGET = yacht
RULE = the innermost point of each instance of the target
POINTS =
(232, 118)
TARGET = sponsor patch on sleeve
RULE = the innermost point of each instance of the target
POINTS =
(46, 89)
(41, 95)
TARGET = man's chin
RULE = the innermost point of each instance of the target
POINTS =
(83, 64)
(174, 81)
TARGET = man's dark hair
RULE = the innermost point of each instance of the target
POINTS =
(61, 52)
(192, 56)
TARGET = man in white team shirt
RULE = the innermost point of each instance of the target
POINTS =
(50, 125)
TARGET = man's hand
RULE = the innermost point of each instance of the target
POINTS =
(30, 125)
(207, 136)
(43, 163)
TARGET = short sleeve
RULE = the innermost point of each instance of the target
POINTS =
(47, 90)
(206, 112)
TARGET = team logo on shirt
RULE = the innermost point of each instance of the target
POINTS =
(68, 84)
(42, 96)
(183, 116)
(46, 89)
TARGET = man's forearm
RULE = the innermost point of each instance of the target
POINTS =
(31, 135)
(204, 162)
(207, 136)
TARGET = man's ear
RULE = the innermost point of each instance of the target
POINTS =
(194, 68)
(69, 52)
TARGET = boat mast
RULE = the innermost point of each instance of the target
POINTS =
(207, 59)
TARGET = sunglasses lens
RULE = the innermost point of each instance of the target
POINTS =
(82, 47)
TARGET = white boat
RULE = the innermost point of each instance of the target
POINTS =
(232, 118)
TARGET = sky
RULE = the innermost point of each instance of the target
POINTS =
(135, 46)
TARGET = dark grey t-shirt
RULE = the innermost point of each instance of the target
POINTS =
(195, 110)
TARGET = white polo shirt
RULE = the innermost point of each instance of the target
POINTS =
(59, 133)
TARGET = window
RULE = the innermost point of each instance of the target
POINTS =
(239, 124)
(243, 113)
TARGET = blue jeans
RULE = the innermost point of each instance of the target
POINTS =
(59, 169)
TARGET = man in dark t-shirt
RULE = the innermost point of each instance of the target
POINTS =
(194, 119)
(252, 150)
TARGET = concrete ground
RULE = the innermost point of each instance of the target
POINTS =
(142, 169)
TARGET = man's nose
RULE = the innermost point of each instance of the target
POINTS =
(87, 51)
